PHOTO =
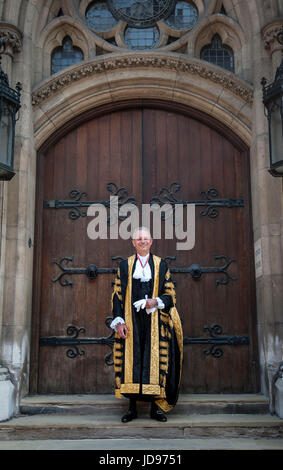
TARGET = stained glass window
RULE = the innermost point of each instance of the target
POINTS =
(99, 17)
(140, 30)
(142, 38)
(141, 13)
(65, 56)
(218, 54)
(185, 16)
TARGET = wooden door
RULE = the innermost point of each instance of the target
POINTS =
(143, 149)
(208, 167)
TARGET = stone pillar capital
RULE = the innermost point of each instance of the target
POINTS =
(269, 34)
(12, 38)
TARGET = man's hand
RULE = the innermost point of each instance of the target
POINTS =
(122, 330)
(150, 303)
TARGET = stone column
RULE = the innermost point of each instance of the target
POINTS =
(12, 39)
(268, 229)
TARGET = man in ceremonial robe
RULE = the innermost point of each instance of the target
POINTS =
(148, 349)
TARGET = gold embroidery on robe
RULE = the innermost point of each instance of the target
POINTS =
(130, 388)
(129, 352)
(154, 358)
(117, 289)
(161, 401)
(150, 389)
(159, 358)
(118, 360)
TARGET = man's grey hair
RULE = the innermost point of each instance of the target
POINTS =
(139, 229)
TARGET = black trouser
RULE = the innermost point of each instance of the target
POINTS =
(142, 320)
(133, 403)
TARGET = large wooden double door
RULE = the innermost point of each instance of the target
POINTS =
(142, 148)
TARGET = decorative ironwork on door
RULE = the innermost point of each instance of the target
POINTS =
(166, 195)
(212, 201)
(92, 271)
(77, 201)
(73, 341)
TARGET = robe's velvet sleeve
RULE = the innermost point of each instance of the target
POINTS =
(117, 307)
(117, 298)
(171, 332)
(167, 288)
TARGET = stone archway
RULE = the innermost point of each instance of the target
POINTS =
(68, 100)
(141, 75)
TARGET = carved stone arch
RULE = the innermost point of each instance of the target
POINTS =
(47, 12)
(110, 79)
(229, 8)
(55, 32)
(230, 32)
(56, 6)
(215, 7)
(247, 13)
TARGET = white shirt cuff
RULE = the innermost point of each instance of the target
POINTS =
(160, 305)
(116, 321)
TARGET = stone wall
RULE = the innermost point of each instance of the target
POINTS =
(32, 30)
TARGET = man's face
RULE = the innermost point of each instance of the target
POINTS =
(142, 242)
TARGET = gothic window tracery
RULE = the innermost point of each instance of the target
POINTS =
(141, 18)
(141, 38)
(184, 16)
(65, 55)
(99, 17)
(101, 27)
(218, 54)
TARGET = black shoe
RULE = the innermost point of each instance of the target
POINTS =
(158, 414)
(129, 416)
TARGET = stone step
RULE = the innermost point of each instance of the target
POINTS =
(106, 405)
(70, 427)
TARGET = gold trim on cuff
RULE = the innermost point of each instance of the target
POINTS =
(151, 389)
(130, 388)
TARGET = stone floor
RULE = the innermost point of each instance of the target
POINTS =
(146, 444)
(202, 422)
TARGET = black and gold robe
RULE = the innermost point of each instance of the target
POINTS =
(148, 364)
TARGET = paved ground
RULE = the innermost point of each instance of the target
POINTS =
(100, 415)
(146, 444)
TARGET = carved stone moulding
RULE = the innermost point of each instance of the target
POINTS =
(12, 38)
(140, 60)
(269, 34)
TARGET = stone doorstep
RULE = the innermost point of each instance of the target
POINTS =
(108, 404)
(62, 426)
(72, 417)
